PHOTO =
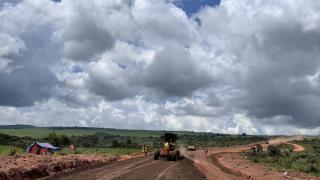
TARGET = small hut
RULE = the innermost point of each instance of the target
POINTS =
(41, 148)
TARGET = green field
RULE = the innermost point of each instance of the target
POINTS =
(41, 132)
(6, 150)
(111, 141)
(102, 151)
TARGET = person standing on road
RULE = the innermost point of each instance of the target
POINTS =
(205, 150)
(144, 150)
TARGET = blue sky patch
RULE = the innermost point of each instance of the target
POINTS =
(193, 6)
(77, 69)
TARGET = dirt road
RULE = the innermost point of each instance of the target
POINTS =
(139, 168)
(195, 165)
(213, 166)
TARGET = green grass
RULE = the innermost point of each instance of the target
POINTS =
(6, 150)
(284, 147)
(39, 132)
(101, 151)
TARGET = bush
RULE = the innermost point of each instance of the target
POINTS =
(311, 159)
(311, 168)
(286, 153)
(64, 140)
(115, 143)
(58, 140)
(77, 152)
(259, 147)
(273, 150)
(62, 153)
(303, 155)
(13, 151)
(256, 160)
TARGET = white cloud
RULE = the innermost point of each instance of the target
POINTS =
(244, 66)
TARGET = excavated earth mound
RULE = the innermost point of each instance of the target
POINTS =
(34, 166)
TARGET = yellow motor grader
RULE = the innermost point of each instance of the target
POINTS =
(168, 148)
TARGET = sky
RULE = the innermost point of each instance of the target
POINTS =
(233, 66)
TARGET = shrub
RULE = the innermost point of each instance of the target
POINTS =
(310, 168)
(115, 143)
(256, 160)
(259, 147)
(311, 159)
(273, 150)
(303, 155)
(253, 152)
(58, 140)
(253, 149)
(286, 153)
(13, 151)
(62, 153)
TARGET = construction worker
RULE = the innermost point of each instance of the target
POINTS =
(144, 150)
(206, 150)
(166, 146)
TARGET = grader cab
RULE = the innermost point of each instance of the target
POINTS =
(168, 148)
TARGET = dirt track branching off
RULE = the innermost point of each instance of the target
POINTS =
(219, 163)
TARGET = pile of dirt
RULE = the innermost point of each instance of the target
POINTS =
(34, 166)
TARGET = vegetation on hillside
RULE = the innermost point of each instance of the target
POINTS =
(16, 141)
(101, 140)
(283, 157)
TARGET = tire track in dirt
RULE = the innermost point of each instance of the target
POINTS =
(139, 168)
(211, 170)
(297, 147)
(148, 172)
(165, 171)
(108, 171)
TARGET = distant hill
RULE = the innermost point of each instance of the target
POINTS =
(16, 126)
(76, 127)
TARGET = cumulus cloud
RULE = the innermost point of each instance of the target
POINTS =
(83, 33)
(26, 75)
(276, 55)
(243, 66)
(174, 73)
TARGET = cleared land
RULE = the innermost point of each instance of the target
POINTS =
(98, 152)
(227, 163)
(217, 164)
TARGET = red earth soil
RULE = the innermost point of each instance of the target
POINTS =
(35, 166)
(227, 163)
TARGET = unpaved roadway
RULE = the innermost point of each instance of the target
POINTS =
(195, 165)
(227, 163)
(144, 168)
